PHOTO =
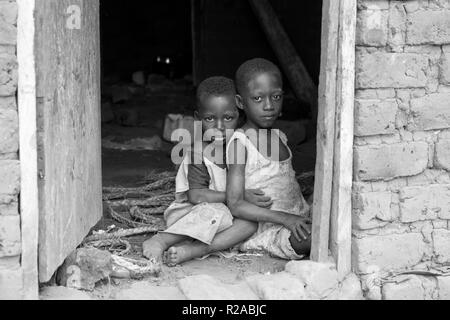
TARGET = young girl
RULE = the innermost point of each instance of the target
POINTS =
(259, 157)
(199, 212)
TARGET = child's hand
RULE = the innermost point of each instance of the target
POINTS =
(299, 226)
(258, 198)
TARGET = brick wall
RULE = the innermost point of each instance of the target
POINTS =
(401, 192)
(10, 243)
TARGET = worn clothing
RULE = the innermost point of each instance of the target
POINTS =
(204, 221)
(277, 180)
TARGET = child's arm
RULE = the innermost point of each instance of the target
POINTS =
(240, 208)
(256, 197)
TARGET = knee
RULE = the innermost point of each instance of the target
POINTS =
(302, 248)
(248, 226)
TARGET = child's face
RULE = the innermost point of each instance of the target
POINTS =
(218, 114)
(262, 101)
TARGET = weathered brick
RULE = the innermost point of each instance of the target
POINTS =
(8, 205)
(371, 210)
(444, 66)
(391, 70)
(374, 117)
(8, 21)
(441, 245)
(8, 11)
(397, 24)
(373, 4)
(409, 288)
(430, 112)
(389, 161)
(444, 288)
(11, 284)
(10, 177)
(425, 203)
(428, 27)
(10, 262)
(372, 28)
(8, 103)
(9, 131)
(442, 156)
(388, 252)
(10, 244)
(8, 75)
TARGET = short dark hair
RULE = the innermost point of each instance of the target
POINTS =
(252, 67)
(215, 86)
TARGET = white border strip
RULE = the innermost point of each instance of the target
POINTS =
(29, 205)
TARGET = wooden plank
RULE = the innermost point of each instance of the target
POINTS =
(341, 212)
(26, 97)
(325, 132)
(299, 78)
(69, 137)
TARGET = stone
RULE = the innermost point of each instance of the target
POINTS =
(444, 66)
(139, 78)
(428, 27)
(8, 103)
(442, 155)
(8, 20)
(444, 287)
(372, 28)
(146, 291)
(441, 245)
(397, 25)
(408, 288)
(10, 241)
(10, 262)
(278, 286)
(107, 113)
(84, 268)
(11, 284)
(373, 4)
(62, 293)
(350, 288)
(372, 210)
(390, 70)
(389, 161)
(388, 252)
(8, 75)
(10, 173)
(9, 205)
(375, 117)
(320, 279)
(9, 131)
(204, 287)
(424, 203)
(430, 112)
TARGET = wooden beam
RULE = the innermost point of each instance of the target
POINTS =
(325, 132)
(29, 206)
(299, 78)
(341, 208)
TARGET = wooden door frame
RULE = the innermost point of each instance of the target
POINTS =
(26, 100)
(332, 208)
(334, 167)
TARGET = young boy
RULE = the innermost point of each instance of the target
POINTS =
(258, 157)
(199, 212)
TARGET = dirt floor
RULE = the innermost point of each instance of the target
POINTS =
(145, 114)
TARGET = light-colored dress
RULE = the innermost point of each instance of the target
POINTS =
(201, 222)
(277, 180)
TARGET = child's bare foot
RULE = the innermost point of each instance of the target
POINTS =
(153, 250)
(178, 255)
